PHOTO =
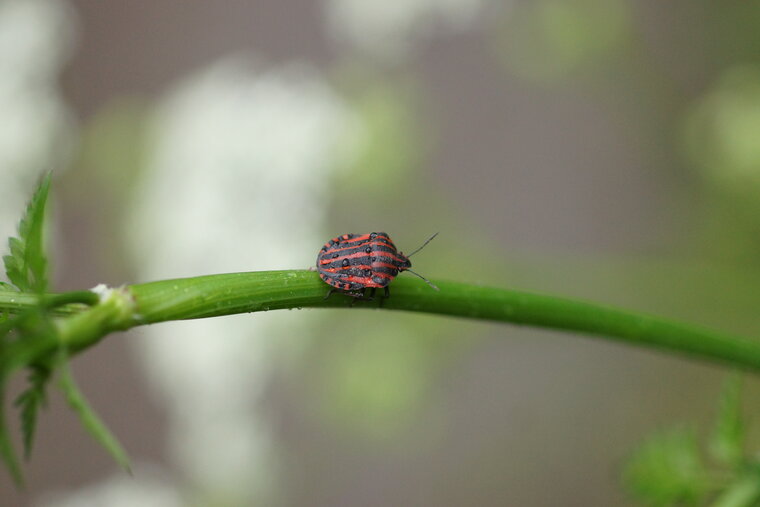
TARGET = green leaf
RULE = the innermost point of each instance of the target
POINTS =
(34, 336)
(667, 470)
(727, 442)
(26, 266)
(88, 418)
(34, 328)
(16, 247)
(30, 401)
(7, 453)
(21, 336)
(13, 269)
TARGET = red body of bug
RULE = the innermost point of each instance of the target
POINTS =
(354, 262)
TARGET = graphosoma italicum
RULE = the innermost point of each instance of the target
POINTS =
(352, 263)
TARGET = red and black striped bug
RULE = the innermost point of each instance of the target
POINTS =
(352, 263)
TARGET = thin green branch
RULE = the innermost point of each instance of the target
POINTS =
(83, 297)
(226, 294)
(62, 304)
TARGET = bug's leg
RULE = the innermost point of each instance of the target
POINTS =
(362, 296)
(386, 295)
(330, 293)
(355, 296)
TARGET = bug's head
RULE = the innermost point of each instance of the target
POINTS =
(405, 262)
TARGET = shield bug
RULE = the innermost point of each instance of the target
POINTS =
(352, 263)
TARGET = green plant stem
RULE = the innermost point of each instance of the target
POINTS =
(226, 294)
(84, 297)
(15, 302)
(216, 295)
(77, 329)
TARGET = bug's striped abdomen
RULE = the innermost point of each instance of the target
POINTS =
(353, 262)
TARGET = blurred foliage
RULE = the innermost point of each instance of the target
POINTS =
(114, 143)
(376, 377)
(667, 470)
(731, 32)
(390, 144)
(671, 469)
(377, 381)
(111, 157)
(721, 132)
(549, 40)
(719, 139)
(727, 442)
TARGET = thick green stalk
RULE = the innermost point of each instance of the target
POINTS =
(226, 294)
(215, 295)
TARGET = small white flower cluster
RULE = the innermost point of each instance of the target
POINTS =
(388, 30)
(237, 182)
(120, 490)
(35, 125)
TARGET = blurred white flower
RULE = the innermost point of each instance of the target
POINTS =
(36, 37)
(35, 124)
(121, 490)
(237, 182)
(389, 29)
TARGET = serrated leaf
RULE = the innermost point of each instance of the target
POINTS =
(35, 329)
(667, 470)
(26, 266)
(12, 270)
(30, 401)
(727, 441)
(16, 247)
(88, 418)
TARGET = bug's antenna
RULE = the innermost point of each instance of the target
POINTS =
(420, 248)
(426, 280)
